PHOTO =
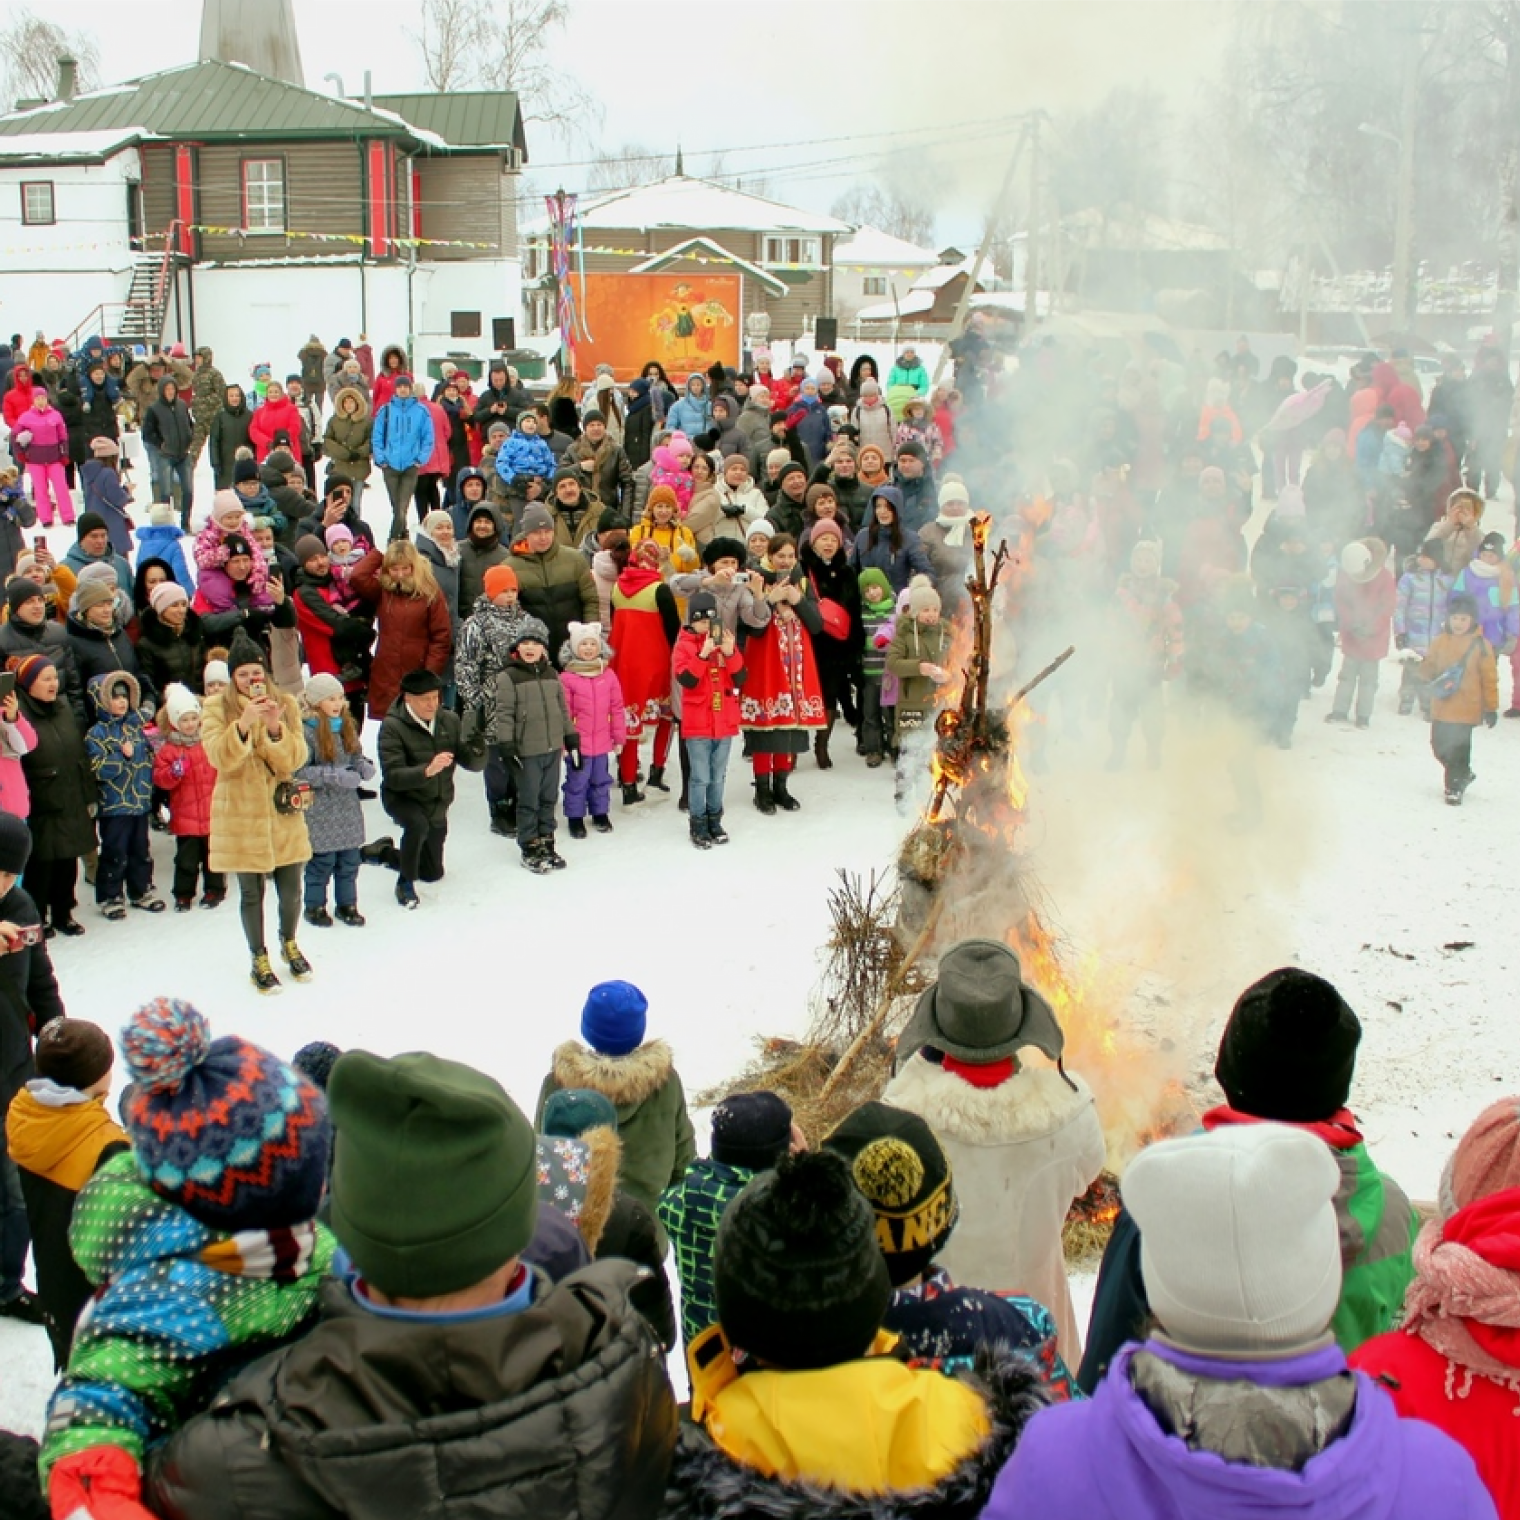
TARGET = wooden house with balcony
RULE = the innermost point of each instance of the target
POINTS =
(214, 204)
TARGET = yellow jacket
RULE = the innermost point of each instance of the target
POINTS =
(872, 1426)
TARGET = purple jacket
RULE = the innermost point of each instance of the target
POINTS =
(596, 711)
(1108, 1459)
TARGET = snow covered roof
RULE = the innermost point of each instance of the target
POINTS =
(713, 250)
(872, 248)
(914, 304)
(942, 274)
(99, 144)
(697, 204)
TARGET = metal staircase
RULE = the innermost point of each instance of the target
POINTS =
(140, 318)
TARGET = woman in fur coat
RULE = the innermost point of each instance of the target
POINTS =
(1023, 1141)
(640, 1079)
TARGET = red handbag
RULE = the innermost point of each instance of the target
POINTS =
(836, 616)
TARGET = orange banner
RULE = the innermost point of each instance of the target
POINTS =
(686, 321)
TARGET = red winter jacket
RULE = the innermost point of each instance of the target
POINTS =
(439, 462)
(190, 790)
(709, 689)
(1364, 610)
(270, 419)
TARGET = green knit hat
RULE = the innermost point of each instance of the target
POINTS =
(435, 1176)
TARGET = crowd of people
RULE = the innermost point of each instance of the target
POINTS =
(263, 1305)
(569, 588)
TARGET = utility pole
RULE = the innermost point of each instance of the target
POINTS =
(1032, 243)
(1509, 198)
(958, 326)
(1405, 304)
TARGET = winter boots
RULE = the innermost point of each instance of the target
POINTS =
(300, 967)
(577, 827)
(350, 916)
(262, 974)
(765, 798)
(319, 916)
(821, 748)
(632, 796)
(657, 778)
(504, 820)
(784, 799)
(382, 852)
(699, 835)
(406, 894)
(601, 823)
(715, 829)
(540, 857)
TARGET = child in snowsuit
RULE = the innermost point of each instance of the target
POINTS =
(1147, 652)
(1366, 597)
(195, 1273)
(119, 754)
(917, 655)
(59, 1133)
(709, 671)
(1491, 584)
(1464, 691)
(1285, 617)
(336, 767)
(876, 614)
(594, 700)
(344, 551)
(161, 540)
(524, 453)
(227, 520)
(532, 729)
(1418, 619)
(182, 770)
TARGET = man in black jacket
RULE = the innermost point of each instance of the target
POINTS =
(419, 749)
(167, 433)
(445, 1374)
(29, 630)
(29, 998)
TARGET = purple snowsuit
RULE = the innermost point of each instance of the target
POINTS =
(1110, 1459)
(596, 713)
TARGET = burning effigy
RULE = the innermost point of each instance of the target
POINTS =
(961, 873)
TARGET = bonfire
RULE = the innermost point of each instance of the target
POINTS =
(959, 875)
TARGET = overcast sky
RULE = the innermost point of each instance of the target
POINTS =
(772, 80)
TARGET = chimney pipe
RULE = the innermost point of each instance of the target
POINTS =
(68, 77)
(369, 99)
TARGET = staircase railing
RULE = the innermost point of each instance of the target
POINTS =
(100, 320)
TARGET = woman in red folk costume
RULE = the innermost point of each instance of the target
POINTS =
(645, 625)
(782, 702)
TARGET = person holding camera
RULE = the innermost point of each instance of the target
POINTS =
(253, 735)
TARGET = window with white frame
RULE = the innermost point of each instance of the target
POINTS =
(264, 194)
(874, 285)
(37, 203)
(791, 250)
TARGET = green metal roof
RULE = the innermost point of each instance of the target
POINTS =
(463, 118)
(207, 101)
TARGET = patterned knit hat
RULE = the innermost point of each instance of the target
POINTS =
(899, 1164)
(221, 1127)
(797, 1276)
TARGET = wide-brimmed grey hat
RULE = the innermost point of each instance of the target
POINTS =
(979, 1010)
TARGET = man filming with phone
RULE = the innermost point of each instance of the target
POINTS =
(29, 998)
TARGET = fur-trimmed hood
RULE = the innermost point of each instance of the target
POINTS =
(579, 1177)
(705, 1484)
(627, 1080)
(1036, 1101)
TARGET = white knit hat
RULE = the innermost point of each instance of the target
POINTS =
(922, 595)
(1356, 558)
(320, 687)
(578, 631)
(179, 701)
(953, 488)
(1239, 1245)
(216, 670)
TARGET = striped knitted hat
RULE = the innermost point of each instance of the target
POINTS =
(222, 1127)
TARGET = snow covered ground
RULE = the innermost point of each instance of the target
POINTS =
(1360, 873)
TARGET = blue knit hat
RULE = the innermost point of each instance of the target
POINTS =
(612, 1021)
(222, 1127)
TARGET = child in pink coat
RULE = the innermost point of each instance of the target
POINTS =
(595, 699)
(228, 516)
(44, 436)
(17, 738)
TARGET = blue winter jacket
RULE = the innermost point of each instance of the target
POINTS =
(163, 543)
(106, 493)
(402, 438)
(125, 782)
(899, 568)
(692, 414)
(522, 455)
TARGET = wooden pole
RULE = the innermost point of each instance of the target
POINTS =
(1048, 671)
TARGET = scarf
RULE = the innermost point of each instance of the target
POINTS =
(587, 667)
(1464, 1301)
(1337, 1130)
(874, 479)
(982, 1075)
(955, 529)
(282, 1254)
